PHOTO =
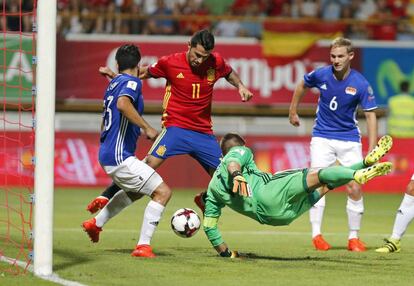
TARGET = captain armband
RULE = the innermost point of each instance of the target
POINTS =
(210, 222)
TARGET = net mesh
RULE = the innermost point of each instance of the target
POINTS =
(17, 68)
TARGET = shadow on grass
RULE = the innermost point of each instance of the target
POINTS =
(71, 258)
(251, 255)
(361, 261)
(129, 250)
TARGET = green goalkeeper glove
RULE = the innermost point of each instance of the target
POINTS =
(229, 253)
(240, 184)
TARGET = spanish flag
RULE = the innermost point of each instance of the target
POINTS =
(286, 41)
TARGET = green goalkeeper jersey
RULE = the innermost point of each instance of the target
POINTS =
(275, 199)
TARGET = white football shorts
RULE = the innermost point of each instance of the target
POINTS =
(135, 176)
(325, 152)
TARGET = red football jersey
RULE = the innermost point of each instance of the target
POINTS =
(189, 91)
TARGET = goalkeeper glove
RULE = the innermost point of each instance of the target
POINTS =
(240, 184)
(229, 253)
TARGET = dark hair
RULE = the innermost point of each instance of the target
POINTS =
(230, 140)
(204, 38)
(404, 86)
(127, 56)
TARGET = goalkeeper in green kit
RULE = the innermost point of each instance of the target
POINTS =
(280, 198)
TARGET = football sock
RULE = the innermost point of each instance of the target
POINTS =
(335, 176)
(110, 191)
(114, 206)
(358, 166)
(152, 216)
(405, 215)
(354, 209)
(316, 215)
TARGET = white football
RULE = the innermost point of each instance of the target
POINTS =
(185, 222)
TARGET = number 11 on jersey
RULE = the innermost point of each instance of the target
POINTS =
(196, 90)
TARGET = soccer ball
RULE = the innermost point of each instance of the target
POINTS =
(185, 222)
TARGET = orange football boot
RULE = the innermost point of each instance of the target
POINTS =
(355, 244)
(97, 204)
(89, 226)
(320, 243)
(143, 250)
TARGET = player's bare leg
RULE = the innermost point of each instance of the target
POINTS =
(153, 162)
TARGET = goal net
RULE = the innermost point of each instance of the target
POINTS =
(17, 74)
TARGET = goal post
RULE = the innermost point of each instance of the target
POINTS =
(44, 137)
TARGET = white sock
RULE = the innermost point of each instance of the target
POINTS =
(354, 209)
(404, 216)
(316, 216)
(113, 207)
(152, 216)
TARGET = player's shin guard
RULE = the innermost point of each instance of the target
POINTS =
(152, 216)
(335, 176)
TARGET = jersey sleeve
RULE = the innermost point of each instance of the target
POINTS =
(311, 79)
(159, 68)
(130, 88)
(211, 217)
(367, 98)
(224, 69)
(240, 154)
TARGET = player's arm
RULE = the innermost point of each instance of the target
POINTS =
(234, 79)
(126, 108)
(299, 92)
(239, 182)
(144, 73)
(211, 217)
(372, 129)
(107, 72)
(214, 235)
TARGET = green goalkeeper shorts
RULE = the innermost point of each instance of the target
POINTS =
(285, 198)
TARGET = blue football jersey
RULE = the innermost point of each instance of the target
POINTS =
(338, 103)
(118, 135)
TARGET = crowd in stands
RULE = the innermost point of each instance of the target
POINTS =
(365, 19)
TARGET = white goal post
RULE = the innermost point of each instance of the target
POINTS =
(44, 137)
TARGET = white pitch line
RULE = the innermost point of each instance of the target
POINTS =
(237, 232)
(52, 278)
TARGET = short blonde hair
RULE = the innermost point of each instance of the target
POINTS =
(343, 42)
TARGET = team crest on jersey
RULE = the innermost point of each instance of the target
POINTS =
(161, 150)
(211, 74)
(132, 84)
(350, 90)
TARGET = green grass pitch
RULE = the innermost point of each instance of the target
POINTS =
(276, 255)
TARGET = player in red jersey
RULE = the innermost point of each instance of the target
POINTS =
(186, 118)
